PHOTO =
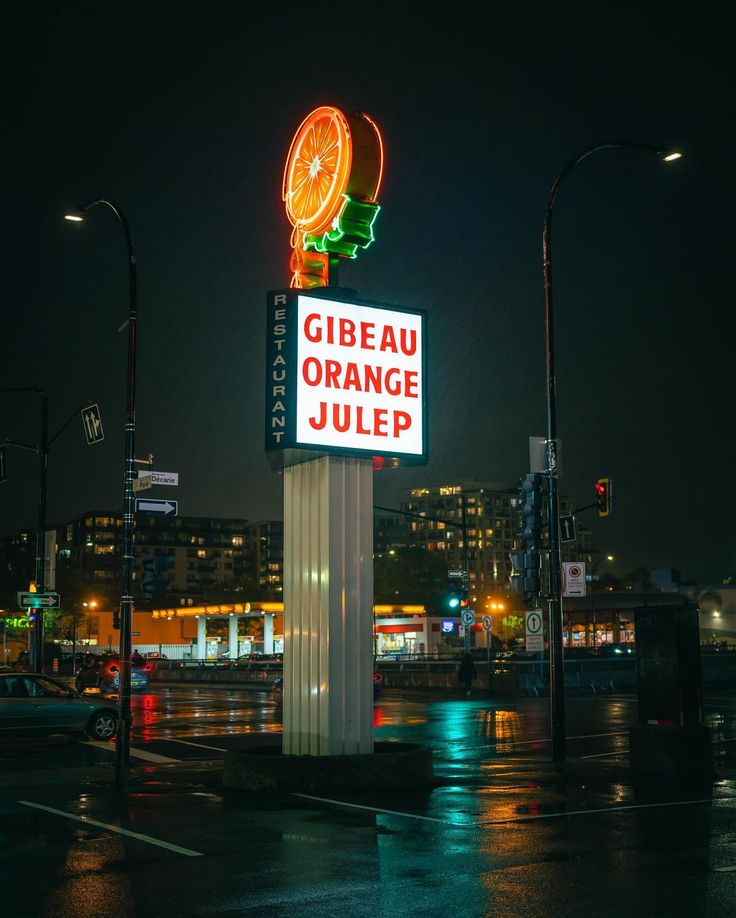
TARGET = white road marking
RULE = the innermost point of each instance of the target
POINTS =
(605, 809)
(198, 745)
(601, 755)
(148, 839)
(135, 752)
(532, 741)
(372, 809)
(513, 819)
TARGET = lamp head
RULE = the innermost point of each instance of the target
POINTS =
(667, 155)
(75, 216)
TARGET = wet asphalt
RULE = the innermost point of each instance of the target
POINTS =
(500, 834)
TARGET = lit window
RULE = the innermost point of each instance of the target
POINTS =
(201, 553)
(238, 541)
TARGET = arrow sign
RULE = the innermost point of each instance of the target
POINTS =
(38, 600)
(567, 529)
(468, 617)
(161, 507)
(534, 631)
(92, 423)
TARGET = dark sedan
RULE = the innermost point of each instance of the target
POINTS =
(35, 705)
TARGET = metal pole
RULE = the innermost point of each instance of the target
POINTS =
(554, 597)
(74, 640)
(122, 745)
(122, 741)
(465, 567)
(43, 452)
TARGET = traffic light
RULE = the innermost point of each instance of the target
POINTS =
(530, 487)
(526, 573)
(603, 499)
(457, 594)
(149, 576)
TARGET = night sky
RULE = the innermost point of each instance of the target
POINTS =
(186, 120)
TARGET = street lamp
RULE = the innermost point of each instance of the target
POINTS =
(122, 740)
(554, 601)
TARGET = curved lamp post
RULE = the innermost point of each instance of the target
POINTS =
(554, 601)
(122, 742)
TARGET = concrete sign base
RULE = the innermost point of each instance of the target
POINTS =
(328, 607)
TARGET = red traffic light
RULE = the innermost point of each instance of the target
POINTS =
(603, 496)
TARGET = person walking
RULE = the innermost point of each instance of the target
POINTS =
(467, 673)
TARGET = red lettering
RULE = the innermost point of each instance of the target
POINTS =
(332, 370)
(330, 330)
(319, 424)
(308, 334)
(380, 420)
(402, 421)
(373, 378)
(388, 340)
(312, 379)
(367, 334)
(410, 384)
(347, 332)
(359, 421)
(411, 333)
(396, 388)
(352, 380)
(341, 425)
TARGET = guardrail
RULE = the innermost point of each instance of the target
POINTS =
(501, 677)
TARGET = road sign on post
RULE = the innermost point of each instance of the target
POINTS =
(487, 623)
(573, 578)
(160, 507)
(534, 630)
(160, 478)
(567, 529)
(38, 600)
(468, 617)
(142, 483)
(92, 423)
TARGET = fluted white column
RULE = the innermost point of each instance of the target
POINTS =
(328, 607)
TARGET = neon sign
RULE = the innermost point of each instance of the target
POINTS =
(330, 187)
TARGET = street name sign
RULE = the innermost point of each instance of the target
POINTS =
(468, 617)
(92, 423)
(160, 507)
(487, 623)
(456, 573)
(141, 484)
(160, 478)
(567, 529)
(38, 600)
(534, 630)
(573, 578)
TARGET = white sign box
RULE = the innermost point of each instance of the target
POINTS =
(345, 377)
(573, 578)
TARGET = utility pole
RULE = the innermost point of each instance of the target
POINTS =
(43, 465)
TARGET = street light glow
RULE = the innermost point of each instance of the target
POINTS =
(671, 157)
(74, 218)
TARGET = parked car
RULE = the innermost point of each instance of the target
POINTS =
(102, 671)
(32, 704)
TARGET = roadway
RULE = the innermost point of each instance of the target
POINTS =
(499, 835)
